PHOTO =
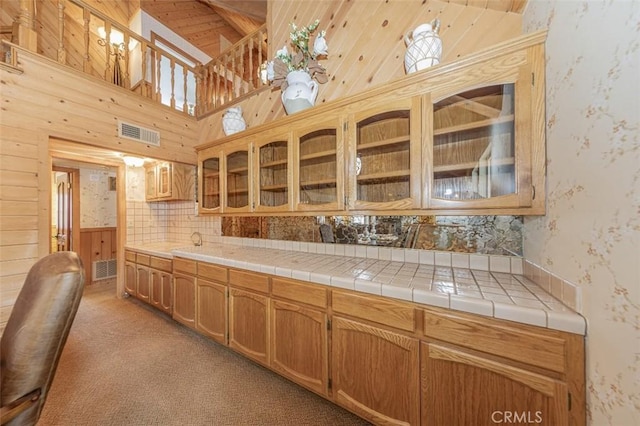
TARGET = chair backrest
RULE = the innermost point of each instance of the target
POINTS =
(37, 330)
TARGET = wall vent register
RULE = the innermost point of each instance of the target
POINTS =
(103, 269)
(139, 134)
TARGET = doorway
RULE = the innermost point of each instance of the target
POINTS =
(65, 209)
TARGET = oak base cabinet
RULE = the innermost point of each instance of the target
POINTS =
(375, 372)
(130, 278)
(211, 317)
(184, 299)
(143, 283)
(460, 388)
(249, 324)
(161, 290)
(299, 345)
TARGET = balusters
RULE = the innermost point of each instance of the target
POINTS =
(185, 106)
(107, 47)
(62, 57)
(127, 77)
(144, 87)
(172, 101)
(158, 77)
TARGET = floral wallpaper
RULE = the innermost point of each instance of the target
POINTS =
(591, 233)
(97, 199)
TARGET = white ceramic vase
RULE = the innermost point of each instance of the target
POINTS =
(301, 92)
(232, 121)
(424, 47)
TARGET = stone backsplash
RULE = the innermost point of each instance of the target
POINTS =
(500, 235)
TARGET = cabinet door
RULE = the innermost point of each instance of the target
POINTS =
(480, 147)
(150, 182)
(184, 299)
(130, 275)
(273, 181)
(249, 324)
(319, 173)
(384, 157)
(237, 182)
(299, 345)
(210, 195)
(161, 290)
(461, 388)
(164, 176)
(375, 372)
(143, 287)
(212, 310)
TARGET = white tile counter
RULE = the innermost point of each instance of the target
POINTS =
(484, 292)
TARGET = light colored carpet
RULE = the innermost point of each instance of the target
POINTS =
(125, 364)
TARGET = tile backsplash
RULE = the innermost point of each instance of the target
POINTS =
(167, 221)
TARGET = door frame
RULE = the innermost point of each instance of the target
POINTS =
(75, 206)
(78, 151)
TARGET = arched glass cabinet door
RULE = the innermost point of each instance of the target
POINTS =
(384, 157)
(319, 175)
(237, 189)
(210, 195)
(272, 165)
(480, 157)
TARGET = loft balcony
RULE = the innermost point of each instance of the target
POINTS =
(78, 36)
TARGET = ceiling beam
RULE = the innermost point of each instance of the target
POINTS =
(254, 9)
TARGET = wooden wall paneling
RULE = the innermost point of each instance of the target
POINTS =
(90, 115)
(22, 233)
(86, 253)
(127, 107)
(366, 46)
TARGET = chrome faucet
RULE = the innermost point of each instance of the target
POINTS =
(196, 238)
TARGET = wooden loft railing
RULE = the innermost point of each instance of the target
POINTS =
(81, 37)
(235, 74)
(108, 50)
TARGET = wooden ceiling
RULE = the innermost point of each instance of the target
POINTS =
(209, 25)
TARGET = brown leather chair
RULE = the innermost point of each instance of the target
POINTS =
(35, 335)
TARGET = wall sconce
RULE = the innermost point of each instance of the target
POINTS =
(116, 39)
(133, 161)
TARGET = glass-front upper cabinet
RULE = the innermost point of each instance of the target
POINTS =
(237, 181)
(210, 195)
(319, 175)
(164, 176)
(384, 157)
(476, 158)
(272, 159)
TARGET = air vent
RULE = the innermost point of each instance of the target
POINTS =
(103, 269)
(137, 133)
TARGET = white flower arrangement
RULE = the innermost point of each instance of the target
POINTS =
(302, 59)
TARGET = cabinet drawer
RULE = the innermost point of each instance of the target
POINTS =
(184, 265)
(299, 292)
(130, 256)
(161, 264)
(213, 272)
(249, 280)
(542, 348)
(393, 314)
(142, 259)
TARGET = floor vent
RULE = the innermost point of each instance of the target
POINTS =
(137, 133)
(103, 269)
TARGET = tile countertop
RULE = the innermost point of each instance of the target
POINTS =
(494, 294)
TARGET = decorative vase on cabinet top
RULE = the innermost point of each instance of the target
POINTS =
(424, 47)
(301, 92)
(232, 121)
